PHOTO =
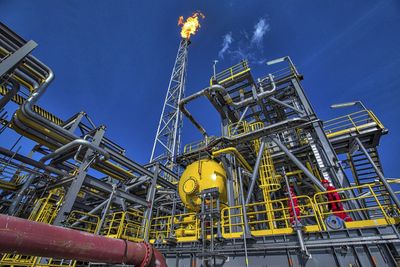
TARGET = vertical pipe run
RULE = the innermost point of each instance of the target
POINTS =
(297, 226)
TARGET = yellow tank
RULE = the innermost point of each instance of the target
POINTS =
(198, 176)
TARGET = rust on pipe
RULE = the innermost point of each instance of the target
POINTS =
(20, 236)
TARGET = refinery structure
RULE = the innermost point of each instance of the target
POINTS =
(276, 187)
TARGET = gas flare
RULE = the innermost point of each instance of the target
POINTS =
(191, 25)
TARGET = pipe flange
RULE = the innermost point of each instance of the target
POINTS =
(190, 186)
(148, 256)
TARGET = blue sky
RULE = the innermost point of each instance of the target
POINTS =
(113, 59)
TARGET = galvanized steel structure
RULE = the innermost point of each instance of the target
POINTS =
(271, 139)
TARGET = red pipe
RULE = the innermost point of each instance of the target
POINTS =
(20, 236)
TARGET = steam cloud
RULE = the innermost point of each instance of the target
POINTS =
(245, 47)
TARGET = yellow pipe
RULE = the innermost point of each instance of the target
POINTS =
(60, 139)
(232, 150)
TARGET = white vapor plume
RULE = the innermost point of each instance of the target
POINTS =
(259, 31)
(227, 40)
(246, 46)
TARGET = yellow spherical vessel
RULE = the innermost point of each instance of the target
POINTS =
(198, 176)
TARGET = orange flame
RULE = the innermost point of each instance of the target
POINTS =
(191, 25)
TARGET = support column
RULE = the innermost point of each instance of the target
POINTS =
(150, 199)
(76, 185)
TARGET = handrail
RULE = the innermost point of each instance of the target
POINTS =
(351, 122)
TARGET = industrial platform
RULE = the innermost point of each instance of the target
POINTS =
(254, 195)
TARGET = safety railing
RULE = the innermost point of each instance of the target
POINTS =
(238, 128)
(269, 180)
(269, 218)
(186, 227)
(194, 146)
(44, 210)
(160, 228)
(231, 73)
(129, 225)
(354, 122)
(358, 206)
(83, 221)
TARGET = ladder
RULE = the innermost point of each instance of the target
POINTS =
(318, 157)
(364, 173)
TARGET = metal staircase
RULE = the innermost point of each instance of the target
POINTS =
(364, 173)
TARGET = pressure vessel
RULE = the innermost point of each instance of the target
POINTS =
(198, 176)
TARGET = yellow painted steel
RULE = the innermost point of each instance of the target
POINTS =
(129, 225)
(4, 185)
(198, 176)
(269, 180)
(84, 221)
(232, 150)
(186, 228)
(272, 217)
(45, 211)
(262, 224)
(198, 144)
(231, 73)
(160, 227)
(371, 204)
(354, 122)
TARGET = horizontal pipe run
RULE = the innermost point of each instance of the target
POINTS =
(232, 150)
(20, 236)
(73, 144)
(31, 162)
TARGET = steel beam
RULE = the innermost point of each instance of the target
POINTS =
(77, 183)
(15, 58)
(254, 176)
(298, 163)
(97, 184)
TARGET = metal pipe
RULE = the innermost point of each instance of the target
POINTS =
(129, 187)
(75, 143)
(297, 226)
(93, 211)
(256, 97)
(20, 236)
(380, 174)
(287, 105)
(185, 112)
(57, 152)
(254, 175)
(232, 150)
(31, 162)
(298, 163)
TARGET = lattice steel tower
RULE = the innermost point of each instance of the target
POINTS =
(167, 141)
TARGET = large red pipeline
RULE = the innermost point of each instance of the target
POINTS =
(20, 236)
